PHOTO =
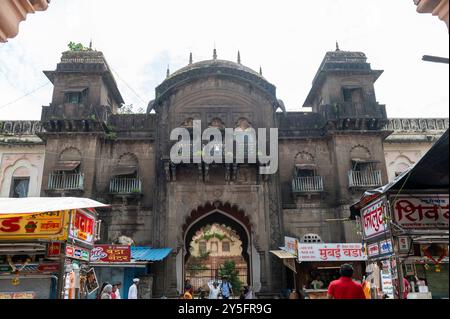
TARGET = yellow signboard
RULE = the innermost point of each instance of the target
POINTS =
(48, 225)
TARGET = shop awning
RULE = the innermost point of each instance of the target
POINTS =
(124, 170)
(282, 254)
(32, 205)
(66, 165)
(364, 161)
(306, 166)
(149, 254)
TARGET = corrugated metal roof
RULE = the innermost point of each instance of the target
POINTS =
(149, 254)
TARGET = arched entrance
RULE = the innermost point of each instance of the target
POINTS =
(216, 235)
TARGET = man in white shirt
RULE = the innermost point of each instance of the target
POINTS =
(214, 290)
(133, 291)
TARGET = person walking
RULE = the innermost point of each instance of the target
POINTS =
(133, 291)
(345, 287)
(106, 293)
(100, 291)
(187, 294)
(249, 292)
(226, 289)
(117, 292)
(214, 290)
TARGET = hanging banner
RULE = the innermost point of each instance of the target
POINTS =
(422, 211)
(110, 254)
(48, 225)
(331, 252)
(82, 227)
(373, 219)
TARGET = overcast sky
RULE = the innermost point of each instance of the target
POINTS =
(288, 38)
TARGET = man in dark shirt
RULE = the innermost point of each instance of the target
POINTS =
(345, 287)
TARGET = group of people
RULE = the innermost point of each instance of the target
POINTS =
(223, 290)
(112, 291)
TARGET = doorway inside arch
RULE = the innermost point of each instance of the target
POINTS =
(217, 248)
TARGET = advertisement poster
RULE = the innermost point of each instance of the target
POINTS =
(291, 245)
(373, 250)
(373, 219)
(422, 211)
(82, 227)
(48, 225)
(331, 252)
(110, 253)
(91, 281)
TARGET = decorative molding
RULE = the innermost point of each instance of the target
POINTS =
(13, 12)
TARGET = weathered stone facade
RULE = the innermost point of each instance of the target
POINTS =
(327, 158)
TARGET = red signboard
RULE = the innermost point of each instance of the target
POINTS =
(422, 211)
(48, 268)
(110, 254)
(82, 227)
(53, 249)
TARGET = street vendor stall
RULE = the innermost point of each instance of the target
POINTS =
(406, 230)
(120, 264)
(43, 242)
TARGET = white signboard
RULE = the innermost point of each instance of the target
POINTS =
(386, 247)
(291, 245)
(373, 250)
(422, 211)
(331, 252)
(403, 244)
(373, 219)
(387, 285)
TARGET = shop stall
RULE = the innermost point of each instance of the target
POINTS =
(41, 240)
(120, 264)
(319, 265)
(406, 230)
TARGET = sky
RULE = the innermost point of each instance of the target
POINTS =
(287, 38)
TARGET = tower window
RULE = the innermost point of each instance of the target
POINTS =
(226, 247)
(73, 97)
(352, 95)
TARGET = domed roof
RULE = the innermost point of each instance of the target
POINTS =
(215, 63)
(214, 67)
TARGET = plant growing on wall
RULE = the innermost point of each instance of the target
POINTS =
(77, 47)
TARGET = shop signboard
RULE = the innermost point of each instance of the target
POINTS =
(403, 244)
(54, 249)
(422, 211)
(386, 247)
(374, 219)
(48, 268)
(82, 227)
(387, 285)
(331, 252)
(79, 253)
(110, 254)
(46, 225)
(373, 250)
(18, 295)
(291, 245)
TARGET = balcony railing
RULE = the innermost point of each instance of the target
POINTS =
(125, 186)
(364, 178)
(66, 182)
(311, 184)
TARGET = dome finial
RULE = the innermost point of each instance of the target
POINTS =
(260, 70)
(190, 59)
(239, 57)
(337, 46)
(168, 72)
(215, 52)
